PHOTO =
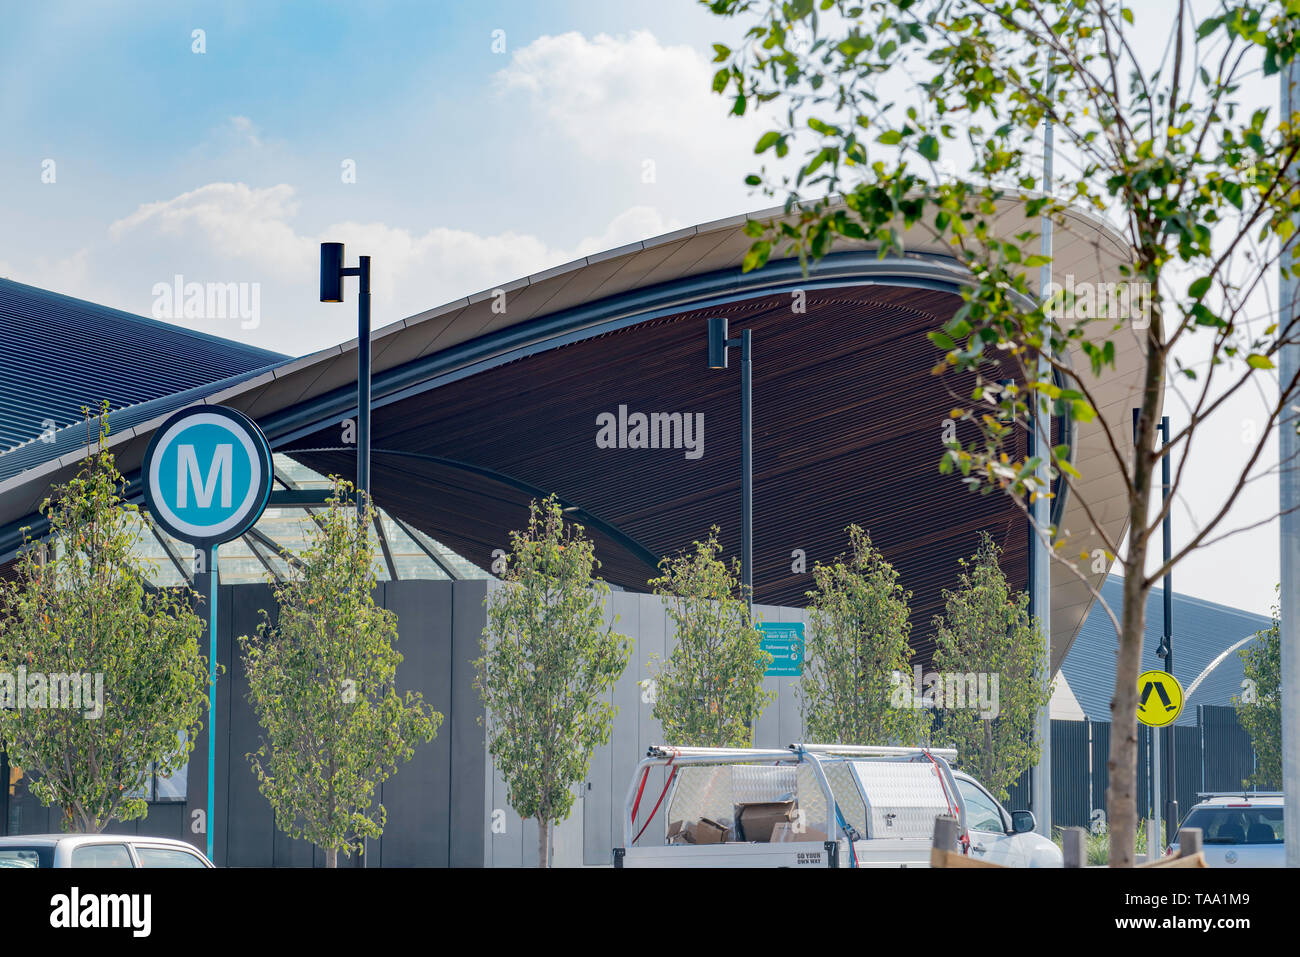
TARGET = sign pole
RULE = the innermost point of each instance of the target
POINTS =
(213, 586)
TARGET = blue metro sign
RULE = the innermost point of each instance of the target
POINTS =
(207, 475)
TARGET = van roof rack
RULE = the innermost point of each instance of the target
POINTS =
(791, 752)
(1240, 794)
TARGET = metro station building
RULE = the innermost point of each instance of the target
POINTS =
(478, 410)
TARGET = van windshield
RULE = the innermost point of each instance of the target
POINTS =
(1237, 825)
(26, 857)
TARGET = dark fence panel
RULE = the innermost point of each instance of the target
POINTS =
(1188, 753)
(1213, 755)
(1100, 731)
(1071, 787)
(1225, 747)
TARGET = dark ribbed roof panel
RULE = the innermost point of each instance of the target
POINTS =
(61, 354)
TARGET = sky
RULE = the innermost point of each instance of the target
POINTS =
(460, 144)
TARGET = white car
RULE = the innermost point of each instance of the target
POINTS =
(98, 850)
(1239, 830)
(1002, 837)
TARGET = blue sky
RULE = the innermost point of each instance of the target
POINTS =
(475, 165)
(226, 165)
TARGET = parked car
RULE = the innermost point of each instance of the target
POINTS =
(814, 805)
(1000, 836)
(98, 850)
(1239, 830)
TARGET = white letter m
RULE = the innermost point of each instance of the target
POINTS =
(187, 470)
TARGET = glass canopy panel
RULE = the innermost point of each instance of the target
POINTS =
(460, 567)
(237, 565)
(410, 560)
(291, 529)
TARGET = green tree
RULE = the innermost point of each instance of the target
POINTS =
(858, 650)
(709, 693)
(986, 633)
(1156, 138)
(548, 662)
(1260, 709)
(121, 658)
(322, 681)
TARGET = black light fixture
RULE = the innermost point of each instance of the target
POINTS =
(718, 345)
(332, 272)
(717, 342)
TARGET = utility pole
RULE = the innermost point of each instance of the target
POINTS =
(1040, 559)
(1289, 500)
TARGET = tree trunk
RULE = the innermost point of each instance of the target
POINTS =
(331, 857)
(1121, 794)
(543, 843)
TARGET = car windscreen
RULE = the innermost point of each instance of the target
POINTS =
(1237, 825)
(20, 857)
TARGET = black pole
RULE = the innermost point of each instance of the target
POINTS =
(1167, 642)
(747, 472)
(363, 391)
(4, 792)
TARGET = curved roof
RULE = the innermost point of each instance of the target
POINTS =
(484, 402)
(1202, 631)
(62, 354)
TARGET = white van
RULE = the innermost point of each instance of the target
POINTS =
(814, 805)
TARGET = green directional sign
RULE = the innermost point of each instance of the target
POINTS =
(783, 640)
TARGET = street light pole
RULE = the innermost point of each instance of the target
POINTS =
(1166, 649)
(718, 345)
(747, 471)
(1040, 518)
(332, 272)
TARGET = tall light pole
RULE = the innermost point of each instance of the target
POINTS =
(1040, 518)
(1166, 649)
(332, 272)
(1289, 501)
(718, 344)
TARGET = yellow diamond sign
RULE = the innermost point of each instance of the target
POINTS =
(1160, 698)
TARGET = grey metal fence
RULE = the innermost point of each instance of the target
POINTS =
(1215, 754)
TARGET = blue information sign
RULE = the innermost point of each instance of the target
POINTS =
(783, 640)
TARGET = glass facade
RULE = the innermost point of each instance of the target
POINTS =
(268, 550)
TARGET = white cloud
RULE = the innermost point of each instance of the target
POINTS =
(611, 93)
(237, 219)
(235, 232)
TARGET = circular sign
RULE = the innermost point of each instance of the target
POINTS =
(1160, 698)
(207, 475)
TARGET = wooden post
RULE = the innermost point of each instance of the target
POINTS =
(1074, 842)
(945, 839)
(1189, 841)
(945, 833)
(1189, 851)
